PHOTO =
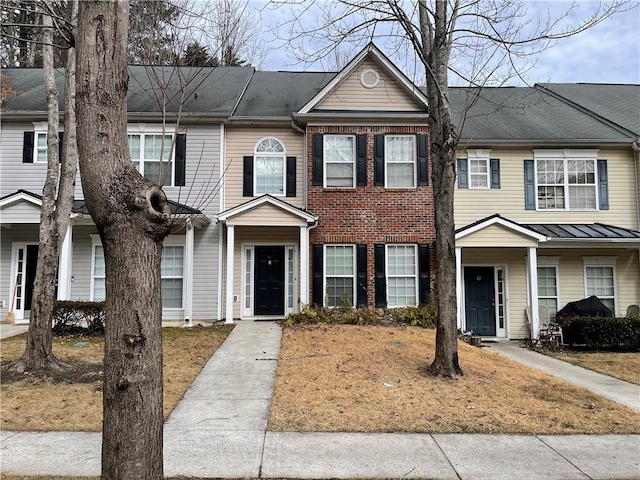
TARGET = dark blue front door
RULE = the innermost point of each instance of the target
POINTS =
(269, 281)
(480, 300)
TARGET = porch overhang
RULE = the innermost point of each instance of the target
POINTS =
(266, 210)
(523, 236)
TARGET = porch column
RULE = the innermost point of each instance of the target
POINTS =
(459, 298)
(188, 274)
(532, 262)
(230, 255)
(304, 265)
(65, 268)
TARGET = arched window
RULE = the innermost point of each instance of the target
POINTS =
(270, 157)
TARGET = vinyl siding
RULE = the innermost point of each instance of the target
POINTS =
(82, 261)
(267, 215)
(496, 236)
(21, 211)
(15, 174)
(473, 204)
(205, 273)
(241, 142)
(350, 94)
(245, 236)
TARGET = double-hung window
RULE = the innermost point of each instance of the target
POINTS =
(40, 154)
(339, 160)
(269, 167)
(600, 280)
(172, 271)
(478, 173)
(340, 278)
(402, 275)
(566, 180)
(400, 161)
(548, 288)
(151, 154)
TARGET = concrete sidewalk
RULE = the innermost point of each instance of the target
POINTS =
(619, 391)
(11, 330)
(219, 431)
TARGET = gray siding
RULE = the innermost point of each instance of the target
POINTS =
(21, 212)
(81, 263)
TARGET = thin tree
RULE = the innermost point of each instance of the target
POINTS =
(57, 200)
(132, 217)
(438, 35)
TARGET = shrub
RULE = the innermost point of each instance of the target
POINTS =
(73, 318)
(621, 333)
(422, 316)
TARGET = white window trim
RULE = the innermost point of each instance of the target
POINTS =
(602, 261)
(388, 276)
(479, 154)
(290, 285)
(414, 160)
(324, 271)
(247, 288)
(95, 242)
(41, 128)
(565, 155)
(275, 155)
(556, 268)
(143, 130)
(325, 163)
(176, 241)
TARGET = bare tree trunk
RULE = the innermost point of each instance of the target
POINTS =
(38, 353)
(132, 216)
(443, 157)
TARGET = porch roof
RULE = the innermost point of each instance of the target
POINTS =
(269, 201)
(550, 232)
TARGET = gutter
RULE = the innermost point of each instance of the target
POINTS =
(636, 167)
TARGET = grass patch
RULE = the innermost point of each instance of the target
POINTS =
(72, 399)
(347, 378)
(625, 366)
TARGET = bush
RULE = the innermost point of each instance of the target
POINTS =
(422, 316)
(78, 318)
(602, 332)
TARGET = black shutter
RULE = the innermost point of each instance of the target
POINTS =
(27, 147)
(423, 160)
(378, 160)
(463, 173)
(424, 266)
(361, 160)
(247, 177)
(361, 263)
(60, 146)
(291, 177)
(380, 279)
(317, 159)
(317, 294)
(181, 156)
(495, 172)
(529, 185)
(603, 186)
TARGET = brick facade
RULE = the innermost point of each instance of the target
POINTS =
(373, 214)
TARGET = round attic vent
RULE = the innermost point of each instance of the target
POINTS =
(369, 78)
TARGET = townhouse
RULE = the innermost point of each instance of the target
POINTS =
(291, 188)
(546, 206)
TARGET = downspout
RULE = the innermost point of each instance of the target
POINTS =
(636, 150)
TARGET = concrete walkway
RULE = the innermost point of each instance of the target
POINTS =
(11, 330)
(219, 431)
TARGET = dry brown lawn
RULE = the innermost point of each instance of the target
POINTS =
(625, 366)
(371, 379)
(72, 401)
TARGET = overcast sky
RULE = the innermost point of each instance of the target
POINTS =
(607, 53)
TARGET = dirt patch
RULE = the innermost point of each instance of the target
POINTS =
(71, 399)
(622, 365)
(371, 379)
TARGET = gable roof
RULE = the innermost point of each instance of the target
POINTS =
(528, 115)
(208, 91)
(269, 200)
(370, 51)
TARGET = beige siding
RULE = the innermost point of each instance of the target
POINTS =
(496, 236)
(350, 94)
(245, 236)
(21, 211)
(241, 141)
(267, 215)
(472, 205)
